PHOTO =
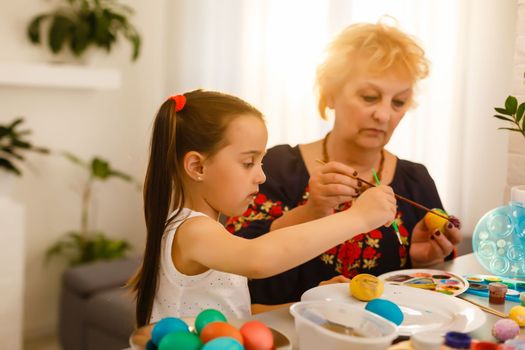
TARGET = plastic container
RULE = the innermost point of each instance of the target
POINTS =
(498, 240)
(427, 340)
(314, 320)
(457, 340)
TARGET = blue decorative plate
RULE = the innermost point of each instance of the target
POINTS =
(499, 241)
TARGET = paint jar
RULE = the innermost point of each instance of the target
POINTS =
(457, 340)
(497, 293)
(522, 298)
(484, 345)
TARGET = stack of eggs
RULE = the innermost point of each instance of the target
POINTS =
(212, 332)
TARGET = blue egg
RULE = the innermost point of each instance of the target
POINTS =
(386, 309)
(223, 343)
(167, 325)
(150, 345)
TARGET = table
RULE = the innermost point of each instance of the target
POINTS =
(282, 321)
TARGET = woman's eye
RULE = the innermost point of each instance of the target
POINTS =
(398, 103)
(369, 98)
(248, 165)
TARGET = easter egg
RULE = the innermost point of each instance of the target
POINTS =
(517, 314)
(150, 345)
(219, 329)
(435, 222)
(208, 316)
(386, 309)
(505, 329)
(180, 340)
(167, 325)
(257, 336)
(223, 343)
(366, 287)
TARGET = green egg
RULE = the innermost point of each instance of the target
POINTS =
(208, 316)
(180, 340)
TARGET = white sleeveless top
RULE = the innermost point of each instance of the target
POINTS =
(180, 295)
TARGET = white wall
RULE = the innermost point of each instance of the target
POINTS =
(113, 124)
(516, 154)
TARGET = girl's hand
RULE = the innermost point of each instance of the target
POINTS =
(330, 185)
(375, 207)
(336, 279)
(429, 248)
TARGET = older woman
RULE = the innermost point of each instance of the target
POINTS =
(368, 80)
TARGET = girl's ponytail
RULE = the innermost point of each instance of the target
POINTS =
(158, 196)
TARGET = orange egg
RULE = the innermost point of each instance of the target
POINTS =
(435, 222)
(220, 329)
(257, 336)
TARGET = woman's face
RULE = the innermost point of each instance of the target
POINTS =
(369, 107)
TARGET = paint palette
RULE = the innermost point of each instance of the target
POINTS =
(436, 280)
(479, 285)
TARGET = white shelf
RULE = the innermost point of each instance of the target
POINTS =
(58, 76)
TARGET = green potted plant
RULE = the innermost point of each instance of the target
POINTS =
(512, 113)
(14, 145)
(84, 23)
(86, 244)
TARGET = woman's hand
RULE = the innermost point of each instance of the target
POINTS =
(429, 248)
(330, 185)
(336, 279)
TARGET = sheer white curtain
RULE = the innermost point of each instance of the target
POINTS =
(266, 51)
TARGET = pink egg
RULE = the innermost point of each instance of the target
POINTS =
(257, 336)
(505, 329)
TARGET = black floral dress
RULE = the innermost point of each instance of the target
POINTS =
(373, 252)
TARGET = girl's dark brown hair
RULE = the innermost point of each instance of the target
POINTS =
(199, 126)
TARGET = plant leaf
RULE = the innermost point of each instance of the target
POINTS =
(59, 31)
(502, 111)
(73, 158)
(100, 168)
(80, 36)
(504, 118)
(511, 129)
(33, 30)
(520, 111)
(511, 104)
(9, 166)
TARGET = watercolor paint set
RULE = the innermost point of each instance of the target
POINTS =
(479, 285)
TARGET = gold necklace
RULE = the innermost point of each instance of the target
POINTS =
(326, 159)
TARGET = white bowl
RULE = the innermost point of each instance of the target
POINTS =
(313, 335)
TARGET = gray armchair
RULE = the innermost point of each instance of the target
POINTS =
(96, 312)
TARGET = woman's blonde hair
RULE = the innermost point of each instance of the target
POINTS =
(381, 46)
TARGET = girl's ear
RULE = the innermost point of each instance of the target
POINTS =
(194, 165)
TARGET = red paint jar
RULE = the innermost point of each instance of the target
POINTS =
(497, 293)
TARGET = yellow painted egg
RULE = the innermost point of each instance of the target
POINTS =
(366, 287)
(517, 314)
(435, 222)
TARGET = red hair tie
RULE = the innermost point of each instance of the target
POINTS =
(180, 102)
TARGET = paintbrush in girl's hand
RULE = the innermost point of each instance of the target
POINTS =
(404, 199)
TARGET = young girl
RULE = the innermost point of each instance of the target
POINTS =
(205, 159)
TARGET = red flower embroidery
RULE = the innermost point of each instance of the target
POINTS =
(375, 234)
(260, 199)
(276, 210)
(369, 253)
